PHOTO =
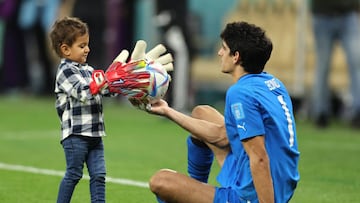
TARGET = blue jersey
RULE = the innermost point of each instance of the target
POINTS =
(259, 105)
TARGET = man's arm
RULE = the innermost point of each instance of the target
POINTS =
(260, 168)
(210, 130)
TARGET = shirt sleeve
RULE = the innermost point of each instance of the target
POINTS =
(74, 83)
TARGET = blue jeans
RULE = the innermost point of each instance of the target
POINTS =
(79, 150)
(328, 30)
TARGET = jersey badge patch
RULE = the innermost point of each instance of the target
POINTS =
(237, 110)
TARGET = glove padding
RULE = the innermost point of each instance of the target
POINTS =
(132, 79)
(155, 55)
(98, 83)
(142, 104)
(128, 79)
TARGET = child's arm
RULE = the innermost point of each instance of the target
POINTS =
(71, 81)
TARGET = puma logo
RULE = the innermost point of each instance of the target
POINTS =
(242, 126)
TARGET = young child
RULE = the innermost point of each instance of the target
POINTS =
(79, 107)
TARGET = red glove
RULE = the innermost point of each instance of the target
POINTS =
(98, 82)
(130, 79)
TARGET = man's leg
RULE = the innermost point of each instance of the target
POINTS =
(159, 200)
(200, 158)
(208, 113)
(171, 186)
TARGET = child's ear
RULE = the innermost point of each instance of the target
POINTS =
(65, 49)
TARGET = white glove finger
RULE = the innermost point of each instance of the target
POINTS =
(168, 67)
(165, 59)
(148, 107)
(122, 57)
(155, 52)
(144, 106)
(139, 51)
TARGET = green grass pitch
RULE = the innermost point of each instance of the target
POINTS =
(139, 144)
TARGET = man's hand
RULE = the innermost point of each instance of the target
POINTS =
(159, 107)
(141, 104)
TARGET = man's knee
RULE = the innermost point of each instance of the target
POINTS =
(161, 180)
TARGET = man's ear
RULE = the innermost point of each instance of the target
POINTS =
(65, 50)
(237, 58)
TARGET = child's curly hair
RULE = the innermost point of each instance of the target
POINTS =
(65, 31)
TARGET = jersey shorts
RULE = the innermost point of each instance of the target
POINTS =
(227, 177)
(229, 195)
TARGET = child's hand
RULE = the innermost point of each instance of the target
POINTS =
(98, 83)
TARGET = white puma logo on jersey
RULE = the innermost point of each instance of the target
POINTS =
(242, 126)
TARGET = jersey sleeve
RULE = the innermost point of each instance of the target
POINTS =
(246, 114)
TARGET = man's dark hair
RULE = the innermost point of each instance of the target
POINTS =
(251, 42)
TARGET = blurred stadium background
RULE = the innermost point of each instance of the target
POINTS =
(29, 131)
(118, 24)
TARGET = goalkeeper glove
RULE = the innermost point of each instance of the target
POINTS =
(155, 56)
(128, 79)
(98, 83)
(142, 104)
(131, 79)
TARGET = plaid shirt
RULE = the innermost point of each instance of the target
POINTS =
(80, 112)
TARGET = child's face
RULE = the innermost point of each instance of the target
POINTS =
(79, 50)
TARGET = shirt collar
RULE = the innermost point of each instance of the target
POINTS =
(65, 60)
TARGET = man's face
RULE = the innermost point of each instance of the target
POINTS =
(227, 60)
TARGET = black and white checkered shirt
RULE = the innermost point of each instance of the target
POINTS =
(80, 112)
